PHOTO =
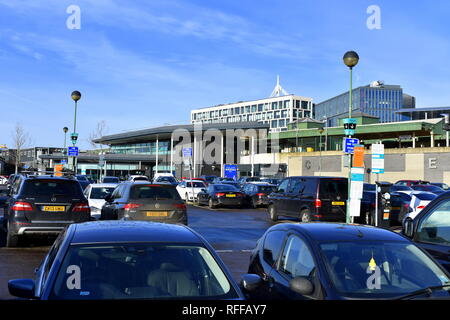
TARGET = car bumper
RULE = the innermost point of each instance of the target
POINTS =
(35, 228)
(229, 201)
(172, 220)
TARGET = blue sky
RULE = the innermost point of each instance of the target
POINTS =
(146, 63)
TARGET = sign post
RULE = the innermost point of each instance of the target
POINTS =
(187, 158)
(377, 167)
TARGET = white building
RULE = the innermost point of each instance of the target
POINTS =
(277, 111)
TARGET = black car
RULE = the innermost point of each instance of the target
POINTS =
(244, 180)
(83, 180)
(400, 207)
(219, 180)
(220, 195)
(42, 205)
(273, 181)
(142, 200)
(342, 261)
(129, 260)
(430, 229)
(310, 199)
(232, 183)
(257, 194)
(428, 188)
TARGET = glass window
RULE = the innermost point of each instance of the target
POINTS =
(435, 227)
(272, 246)
(297, 260)
(283, 186)
(100, 192)
(41, 187)
(141, 271)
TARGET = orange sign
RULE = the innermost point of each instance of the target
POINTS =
(358, 159)
(58, 170)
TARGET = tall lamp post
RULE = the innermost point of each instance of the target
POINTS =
(76, 95)
(351, 59)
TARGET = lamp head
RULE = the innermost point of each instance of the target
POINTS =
(76, 95)
(351, 59)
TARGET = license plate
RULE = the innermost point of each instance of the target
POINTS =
(230, 196)
(54, 208)
(338, 203)
(157, 213)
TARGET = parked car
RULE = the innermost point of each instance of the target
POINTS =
(367, 214)
(96, 193)
(273, 181)
(310, 199)
(232, 183)
(428, 188)
(441, 185)
(244, 180)
(110, 179)
(220, 195)
(144, 201)
(410, 183)
(400, 188)
(133, 178)
(341, 261)
(188, 189)
(400, 207)
(419, 200)
(129, 260)
(83, 180)
(3, 180)
(430, 229)
(219, 180)
(257, 194)
(166, 179)
(208, 179)
(43, 205)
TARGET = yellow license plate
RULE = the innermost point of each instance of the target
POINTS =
(54, 208)
(157, 213)
(338, 203)
(231, 196)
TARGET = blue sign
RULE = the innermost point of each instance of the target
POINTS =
(63, 161)
(350, 126)
(72, 151)
(231, 171)
(349, 145)
(187, 152)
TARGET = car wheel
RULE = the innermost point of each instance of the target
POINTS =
(211, 204)
(12, 240)
(305, 216)
(273, 213)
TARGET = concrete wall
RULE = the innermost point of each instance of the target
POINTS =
(432, 164)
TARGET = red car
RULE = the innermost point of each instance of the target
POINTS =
(410, 183)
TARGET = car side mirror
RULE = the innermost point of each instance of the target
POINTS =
(250, 282)
(108, 197)
(22, 288)
(408, 228)
(302, 285)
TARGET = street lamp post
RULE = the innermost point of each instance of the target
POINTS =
(351, 59)
(76, 95)
(65, 129)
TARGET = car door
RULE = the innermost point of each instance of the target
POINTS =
(108, 209)
(293, 200)
(433, 232)
(296, 260)
(279, 197)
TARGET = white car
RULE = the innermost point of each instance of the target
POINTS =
(3, 180)
(96, 193)
(138, 178)
(188, 189)
(419, 200)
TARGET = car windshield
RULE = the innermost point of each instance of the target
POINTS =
(51, 187)
(100, 192)
(195, 185)
(153, 192)
(380, 269)
(225, 188)
(140, 271)
(111, 180)
(166, 179)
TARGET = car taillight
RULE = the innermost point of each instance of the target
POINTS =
(318, 203)
(420, 207)
(180, 206)
(260, 194)
(22, 206)
(220, 194)
(130, 206)
(81, 207)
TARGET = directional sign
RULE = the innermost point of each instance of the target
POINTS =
(187, 152)
(378, 158)
(72, 151)
(350, 126)
(349, 145)
(231, 171)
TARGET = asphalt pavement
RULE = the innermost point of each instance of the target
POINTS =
(232, 232)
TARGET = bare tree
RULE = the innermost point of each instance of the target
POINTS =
(20, 140)
(99, 131)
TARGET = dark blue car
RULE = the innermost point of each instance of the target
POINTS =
(342, 261)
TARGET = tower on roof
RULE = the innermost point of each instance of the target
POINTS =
(278, 90)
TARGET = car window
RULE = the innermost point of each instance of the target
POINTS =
(296, 186)
(296, 260)
(333, 188)
(100, 192)
(153, 192)
(195, 184)
(118, 192)
(272, 246)
(283, 186)
(87, 191)
(435, 226)
(51, 256)
(40, 187)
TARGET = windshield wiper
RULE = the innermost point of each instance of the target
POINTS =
(420, 292)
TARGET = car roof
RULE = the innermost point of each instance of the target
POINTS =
(131, 231)
(104, 185)
(325, 232)
(47, 177)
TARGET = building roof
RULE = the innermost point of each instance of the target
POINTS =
(165, 132)
(426, 109)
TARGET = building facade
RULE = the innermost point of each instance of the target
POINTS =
(276, 112)
(376, 99)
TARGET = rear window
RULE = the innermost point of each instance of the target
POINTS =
(332, 188)
(140, 179)
(154, 192)
(225, 188)
(52, 187)
(166, 179)
(100, 192)
(111, 180)
(195, 185)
